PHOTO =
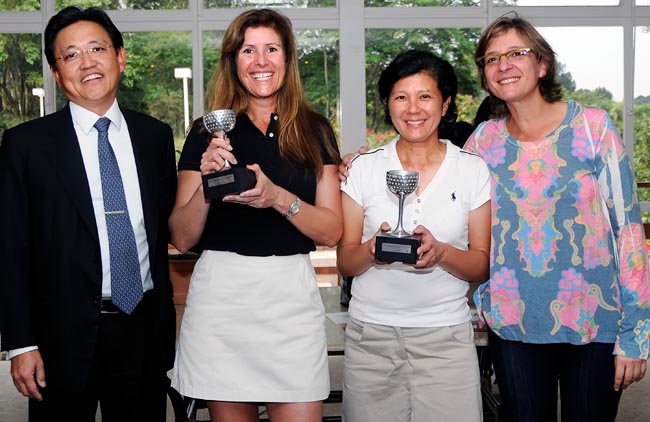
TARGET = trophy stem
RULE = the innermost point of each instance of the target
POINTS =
(399, 230)
(226, 165)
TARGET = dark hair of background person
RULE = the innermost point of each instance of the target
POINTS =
(484, 112)
(71, 15)
(302, 129)
(456, 132)
(459, 132)
(549, 87)
(412, 62)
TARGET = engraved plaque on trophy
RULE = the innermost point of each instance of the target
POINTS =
(399, 245)
(231, 180)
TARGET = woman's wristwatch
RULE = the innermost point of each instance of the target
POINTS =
(294, 208)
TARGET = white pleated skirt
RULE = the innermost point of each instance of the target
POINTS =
(253, 330)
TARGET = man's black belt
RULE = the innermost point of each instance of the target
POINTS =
(108, 307)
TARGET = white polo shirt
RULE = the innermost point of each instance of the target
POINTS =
(429, 298)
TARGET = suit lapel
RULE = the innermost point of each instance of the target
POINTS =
(141, 139)
(69, 164)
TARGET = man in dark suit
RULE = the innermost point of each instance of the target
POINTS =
(82, 326)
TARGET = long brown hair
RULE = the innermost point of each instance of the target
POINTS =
(549, 87)
(304, 134)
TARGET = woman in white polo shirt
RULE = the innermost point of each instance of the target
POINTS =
(409, 353)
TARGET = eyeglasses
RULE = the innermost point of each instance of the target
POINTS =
(71, 56)
(514, 55)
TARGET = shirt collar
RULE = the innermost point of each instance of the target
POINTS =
(390, 149)
(86, 119)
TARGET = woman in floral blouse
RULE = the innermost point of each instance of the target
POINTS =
(568, 298)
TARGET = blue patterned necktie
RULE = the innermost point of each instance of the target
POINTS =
(126, 282)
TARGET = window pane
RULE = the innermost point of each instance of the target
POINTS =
(455, 45)
(420, 3)
(21, 64)
(19, 5)
(149, 84)
(211, 52)
(556, 2)
(585, 75)
(642, 109)
(126, 4)
(318, 55)
(269, 3)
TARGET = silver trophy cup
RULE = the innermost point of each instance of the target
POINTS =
(230, 180)
(399, 245)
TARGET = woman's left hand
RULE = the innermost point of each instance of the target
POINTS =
(263, 195)
(431, 251)
(628, 370)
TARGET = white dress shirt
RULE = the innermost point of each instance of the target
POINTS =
(118, 136)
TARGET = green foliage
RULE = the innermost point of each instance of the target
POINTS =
(279, 3)
(565, 78)
(377, 139)
(20, 72)
(318, 61)
(467, 107)
(148, 83)
(602, 98)
(642, 146)
(211, 53)
(642, 100)
(455, 45)
(125, 5)
(83, 4)
(419, 3)
(20, 5)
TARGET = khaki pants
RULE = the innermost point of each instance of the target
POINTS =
(410, 374)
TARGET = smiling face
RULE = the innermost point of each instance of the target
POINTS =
(513, 79)
(91, 80)
(261, 62)
(416, 107)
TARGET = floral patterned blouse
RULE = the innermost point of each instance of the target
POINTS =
(561, 269)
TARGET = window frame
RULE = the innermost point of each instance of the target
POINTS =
(351, 19)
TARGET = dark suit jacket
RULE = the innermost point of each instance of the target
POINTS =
(50, 261)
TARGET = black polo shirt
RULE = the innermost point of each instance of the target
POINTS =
(246, 230)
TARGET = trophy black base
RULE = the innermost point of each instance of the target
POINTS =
(232, 181)
(397, 249)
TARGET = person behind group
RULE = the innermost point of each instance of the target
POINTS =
(483, 113)
(568, 299)
(253, 328)
(409, 344)
(457, 132)
(88, 314)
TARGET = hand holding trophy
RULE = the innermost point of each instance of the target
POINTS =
(230, 180)
(399, 245)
